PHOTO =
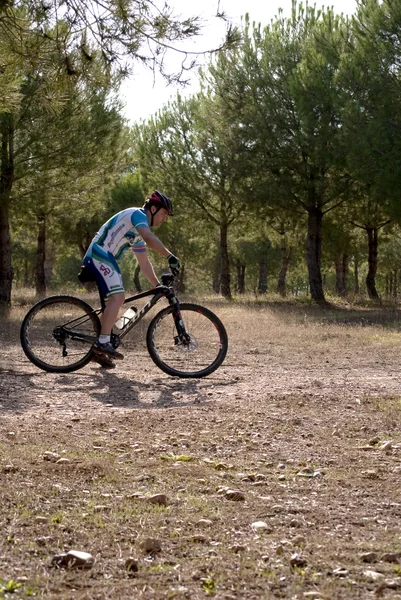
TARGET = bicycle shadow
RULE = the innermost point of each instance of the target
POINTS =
(115, 390)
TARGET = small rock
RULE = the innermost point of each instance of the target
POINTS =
(390, 557)
(296, 560)
(308, 472)
(235, 495)
(144, 477)
(374, 441)
(151, 545)
(74, 559)
(199, 537)
(340, 572)
(296, 523)
(42, 541)
(157, 499)
(11, 435)
(299, 540)
(51, 456)
(369, 557)
(63, 461)
(370, 474)
(136, 495)
(40, 519)
(101, 508)
(131, 565)
(260, 526)
(205, 523)
(10, 469)
(392, 584)
(373, 575)
(386, 446)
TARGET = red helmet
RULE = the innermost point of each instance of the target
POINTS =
(161, 201)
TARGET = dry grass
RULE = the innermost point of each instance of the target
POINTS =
(300, 389)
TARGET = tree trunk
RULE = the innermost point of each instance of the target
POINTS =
(372, 263)
(314, 254)
(395, 282)
(225, 284)
(6, 183)
(341, 264)
(262, 284)
(356, 276)
(49, 262)
(40, 279)
(217, 275)
(286, 254)
(240, 277)
(137, 283)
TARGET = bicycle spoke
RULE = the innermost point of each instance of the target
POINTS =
(200, 355)
(50, 333)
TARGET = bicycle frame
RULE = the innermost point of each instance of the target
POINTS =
(157, 293)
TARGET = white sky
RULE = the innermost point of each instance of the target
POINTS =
(143, 96)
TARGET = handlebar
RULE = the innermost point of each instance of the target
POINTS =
(167, 279)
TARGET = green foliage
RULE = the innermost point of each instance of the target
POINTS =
(209, 585)
(125, 32)
(8, 587)
(293, 137)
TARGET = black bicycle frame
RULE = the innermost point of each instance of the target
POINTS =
(158, 293)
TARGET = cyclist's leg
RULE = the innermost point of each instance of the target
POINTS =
(111, 290)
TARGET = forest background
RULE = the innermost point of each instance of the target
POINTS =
(284, 168)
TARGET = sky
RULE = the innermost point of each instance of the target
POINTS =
(144, 94)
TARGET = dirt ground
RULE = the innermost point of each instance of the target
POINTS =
(302, 420)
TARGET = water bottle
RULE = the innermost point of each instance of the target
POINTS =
(126, 317)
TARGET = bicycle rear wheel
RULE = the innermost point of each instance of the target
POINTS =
(58, 333)
(199, 357)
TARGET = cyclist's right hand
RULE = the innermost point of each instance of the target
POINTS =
(174, 264)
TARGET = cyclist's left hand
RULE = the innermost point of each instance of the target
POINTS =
(174, 264)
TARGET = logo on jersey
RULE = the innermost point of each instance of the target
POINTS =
(105, 270)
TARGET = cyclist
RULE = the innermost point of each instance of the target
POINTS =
(129, 228)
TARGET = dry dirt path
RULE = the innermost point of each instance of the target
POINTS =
(294, 393)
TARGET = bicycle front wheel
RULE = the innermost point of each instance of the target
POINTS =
(58, 333)
(202, 354)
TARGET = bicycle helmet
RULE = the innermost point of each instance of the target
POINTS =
(160, 201)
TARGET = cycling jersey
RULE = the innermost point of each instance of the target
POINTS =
(109, 244)
(122, 231)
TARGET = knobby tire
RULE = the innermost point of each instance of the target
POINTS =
(38, 338)
(204, 354)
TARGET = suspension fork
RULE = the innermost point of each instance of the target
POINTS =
(183, 336)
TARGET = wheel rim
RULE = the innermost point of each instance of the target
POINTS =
(204, 348)
(48, 331)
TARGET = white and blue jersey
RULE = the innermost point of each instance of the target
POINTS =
(109, 244)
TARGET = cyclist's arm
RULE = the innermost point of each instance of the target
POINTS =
(146, 267)
(153, 241)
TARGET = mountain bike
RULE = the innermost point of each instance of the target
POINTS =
(183, 339)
